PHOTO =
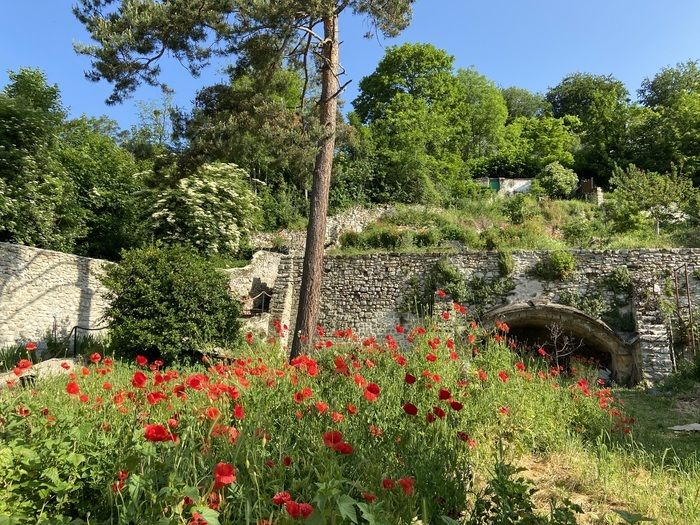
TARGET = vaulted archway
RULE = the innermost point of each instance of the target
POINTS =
(593, 332)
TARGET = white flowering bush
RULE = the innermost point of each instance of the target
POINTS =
(212, 209)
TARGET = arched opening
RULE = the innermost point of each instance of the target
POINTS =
(583, 335)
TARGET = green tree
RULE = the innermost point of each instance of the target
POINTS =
(523, 103)
(420, 70)
(132, 36)
(486, 113)
(557, 181)
(108, 186)
(213, 210)
(37, 196)
(642, 195)
(669, 84)
(601, 104)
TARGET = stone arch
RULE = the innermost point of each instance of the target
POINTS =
(579, 324)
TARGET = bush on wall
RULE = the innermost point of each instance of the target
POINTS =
(168, 303)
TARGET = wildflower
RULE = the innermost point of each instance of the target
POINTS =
(224, 474)
(503, 376)
(410, 409)
(351, 409)
(238, 412)
(444, 394)
(369, 497)
(387, 484)
(441, 294)
(157, 432)
(504, 410)
(72, 388)
(141, 361)
(407, 485)
(139, 379)
(95, 358)
(281, 498)
(520, 366)
(431, 357)
(482, 375)
(410, 379)
(399, 329)
(211, 412)
(298, 510)
(446, 315)
(456, 406)
(30, 346)
(371, 392)
(321, 407)
(65, 366)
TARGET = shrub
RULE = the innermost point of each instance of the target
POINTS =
(168, 302)
(212, 209)
(557, 181)
(427, 238)
(556, 266)
(519, 208)
(506, 264)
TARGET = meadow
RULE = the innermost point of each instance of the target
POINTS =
(445, 423)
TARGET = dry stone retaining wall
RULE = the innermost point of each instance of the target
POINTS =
(366, 293)
(42, 291)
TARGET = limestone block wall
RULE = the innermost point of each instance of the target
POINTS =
(366, 292)
(43, 291)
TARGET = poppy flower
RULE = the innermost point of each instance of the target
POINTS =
(444, 394)
(369, 497)
(431, 357)
(139, 379)
(439, 412)
(520, 366)
(281, 498)
(157, 432)
(503, 376)
(321, 407)
(456, 406)
(337, 417)
(446, 315)
(238, 412)
(224, 474)
(399, 329)
(410, 409)
(387, 484)
(504, 410)
(344, 448)
(332, 438)
(351, 409)
(371, 392)
(407, 485)
(141, 361)
(30, 346)
(410, 379)
(441, 294)
(24, 364)
(211, 412)
(65, 365)
(482, 375)
(298, 510)
(95, 358)
(72, 388)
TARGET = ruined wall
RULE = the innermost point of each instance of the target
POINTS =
(42, 291)
(368, 293)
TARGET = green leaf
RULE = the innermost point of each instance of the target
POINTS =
(211, 516)
(346, 506)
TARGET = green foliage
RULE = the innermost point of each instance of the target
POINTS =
(378, 237)
(620, 280)
(519, 208)
(638, 195)
(555, 266)
(523, 103)
(557, 181)
(507, 500)
(506, 265)
(590, 303)
(213, 210)
(169, 303)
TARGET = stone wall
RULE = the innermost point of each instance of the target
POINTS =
(368, 293)
(42, 291)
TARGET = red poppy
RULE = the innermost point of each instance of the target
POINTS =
(238, 412)
(141, 361)
(446, 315)
(520, 366)
(387, 484)
(24, 364)
(369, 497)
(23, 411)
(95, 358)
(298, 510)
(482, 375)
(410, 379)
(157, 432)
(139, 379)
(504, 410)
(72, 388)
(211, 412)
(321, 407)
(344, 448)
(337, 417)
(439, 412)
(456, 405)
(441, 294)
(65, 366)
(30, 346)
(108, 361)
(281, 498)
(371, 392)
(332, 438)
(503, 376)
(407, 484)
(352, 410)
(399, 329)
(444, 394)
(410, 409)
(431, 357)
(224, 474)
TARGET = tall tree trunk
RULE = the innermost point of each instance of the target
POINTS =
(310, 292)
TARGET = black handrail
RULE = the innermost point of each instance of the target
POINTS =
(74, 333)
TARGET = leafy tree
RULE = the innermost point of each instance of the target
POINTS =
(420, 70)
(523, 103)
(132, 36)
(669, 84)
(107, 185)
(486, 113)
(212, 210)
(639, 194)
(168, 303)
(557, 181)
(600, 102)
(37, 196)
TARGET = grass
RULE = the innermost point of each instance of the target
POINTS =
(512, 223)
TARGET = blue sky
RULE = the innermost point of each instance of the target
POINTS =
(528, 43)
